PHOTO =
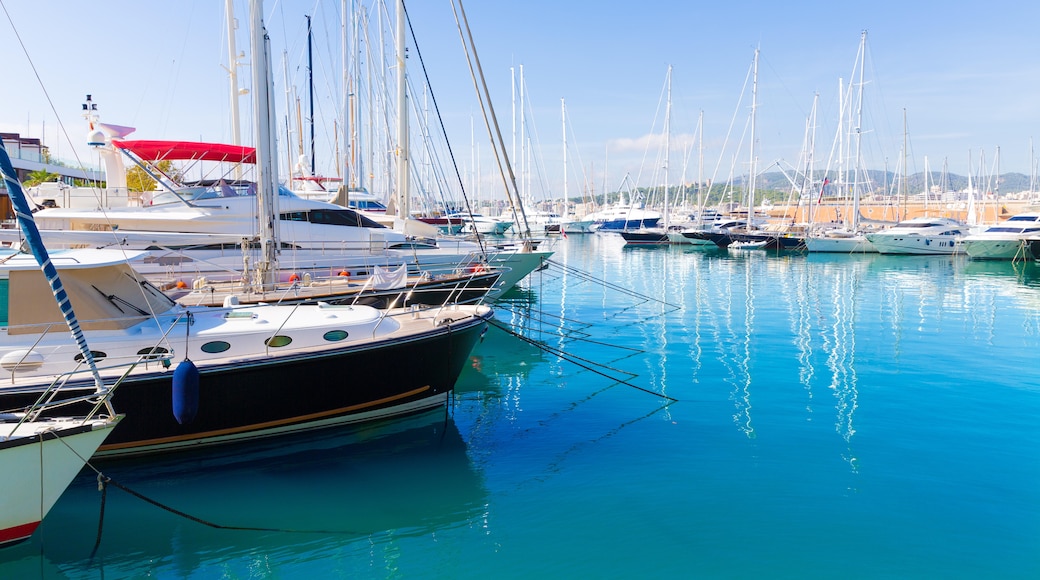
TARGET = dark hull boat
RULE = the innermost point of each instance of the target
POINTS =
(645, 237)
(239, 398)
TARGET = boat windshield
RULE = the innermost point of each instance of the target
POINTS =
(218, 190)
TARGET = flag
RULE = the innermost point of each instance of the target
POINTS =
(563, 231)
(825, 182)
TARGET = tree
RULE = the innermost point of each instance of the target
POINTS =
(40, 176)
(138, 180)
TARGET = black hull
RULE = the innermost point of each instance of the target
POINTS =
(252, 399)
(648, 238)
(776, 242)
(722, 240)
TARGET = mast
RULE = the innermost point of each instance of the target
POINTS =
(402, 119)
(854, 223)
(266, 148)
(233, 56)
(236, 138)
(345, 172)
(751, 174)
(667, 143)
(310, 90)
(563, 118)
(700, 167)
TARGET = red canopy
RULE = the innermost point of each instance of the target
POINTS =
(184, 150)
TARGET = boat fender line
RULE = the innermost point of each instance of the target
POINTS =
(104, 482)
(185, 388)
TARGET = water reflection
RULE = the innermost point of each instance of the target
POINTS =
(408, 477)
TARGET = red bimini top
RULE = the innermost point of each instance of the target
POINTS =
(188, 150)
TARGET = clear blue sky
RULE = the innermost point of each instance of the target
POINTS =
(967, 75)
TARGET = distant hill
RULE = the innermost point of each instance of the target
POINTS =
(777, 187)
(880, 181)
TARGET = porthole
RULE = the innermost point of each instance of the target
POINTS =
(336, 335)
(216, 346)
(278, 340)
(97, 354)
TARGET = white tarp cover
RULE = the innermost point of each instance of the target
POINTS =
(383, 279)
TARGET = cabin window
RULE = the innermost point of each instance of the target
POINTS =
(331, 217)
(278, 340)
(216, 346)
(336, 335)
(97, 354)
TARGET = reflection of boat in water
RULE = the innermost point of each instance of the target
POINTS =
(328, 489)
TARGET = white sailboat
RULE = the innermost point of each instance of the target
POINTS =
(847, 239)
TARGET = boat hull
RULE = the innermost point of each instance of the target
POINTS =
(35, 470)
(916, 245)
(839, 245)
(994, 249)
(646, 237)
(262, 397)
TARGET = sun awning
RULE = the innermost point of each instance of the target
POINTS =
(187, 150)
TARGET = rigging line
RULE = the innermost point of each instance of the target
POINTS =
(611, 285)
(46, 94)
(551, 350)
(578, 335)
(444, 131)
(578, 361)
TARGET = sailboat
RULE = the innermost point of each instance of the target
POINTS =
(847, 238)
(652, 236)
(244, 372)
(42, 447)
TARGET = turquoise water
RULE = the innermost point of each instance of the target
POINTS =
(834, 417)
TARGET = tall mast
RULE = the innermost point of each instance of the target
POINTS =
(402, 119)
(563, 118)
(266, 149)
(751, 173)
(236, 138)
(310, 90)
(859, 132)
(700, 166)
(667, 143)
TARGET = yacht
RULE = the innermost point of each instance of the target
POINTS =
(921, 235)
(1003, 241)
(208, 228)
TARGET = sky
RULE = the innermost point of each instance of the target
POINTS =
(958, 83)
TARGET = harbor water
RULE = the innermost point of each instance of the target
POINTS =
(633, 413)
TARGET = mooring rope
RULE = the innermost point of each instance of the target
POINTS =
(105, 481)
(581, 362)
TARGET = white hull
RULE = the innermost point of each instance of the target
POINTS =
(917, 245)
(855, 244)
(995, 249)
(35, 470)
(1004, 241)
